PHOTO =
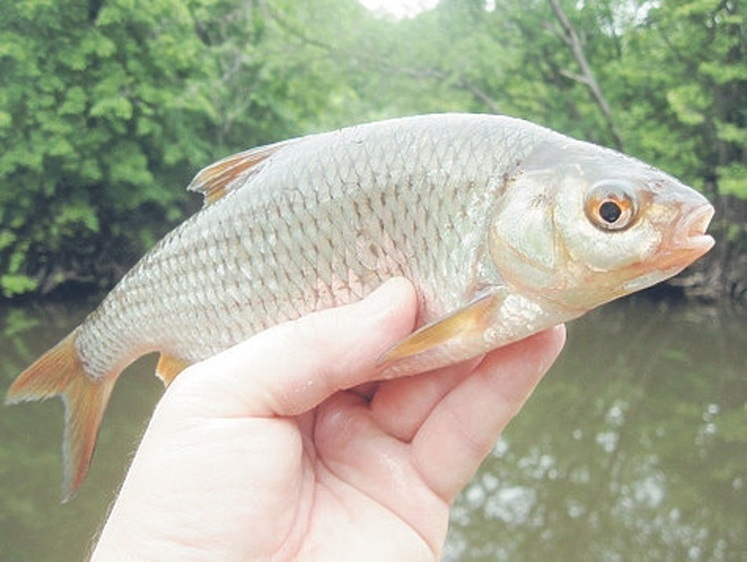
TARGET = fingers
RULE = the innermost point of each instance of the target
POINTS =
(463, 427)
(291, 368)
(400, 406)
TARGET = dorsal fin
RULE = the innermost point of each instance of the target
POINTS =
(230, 173)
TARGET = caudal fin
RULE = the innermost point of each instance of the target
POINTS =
(60, 372)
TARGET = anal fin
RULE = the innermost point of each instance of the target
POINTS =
(169, 367)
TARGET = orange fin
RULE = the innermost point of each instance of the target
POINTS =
(60, 372)
(169, 367)
(461, 327)
(230, 173)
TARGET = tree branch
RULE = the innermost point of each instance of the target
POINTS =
(481, 96)
(571, 38)
(460, 82)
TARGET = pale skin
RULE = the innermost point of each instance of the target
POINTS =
(264, 453)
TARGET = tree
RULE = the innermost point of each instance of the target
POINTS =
(109, 106)
(683, 88)
(93, 113)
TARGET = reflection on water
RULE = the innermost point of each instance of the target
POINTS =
(34, 525)
(634, 447)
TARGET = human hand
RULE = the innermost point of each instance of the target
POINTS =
(264, 453)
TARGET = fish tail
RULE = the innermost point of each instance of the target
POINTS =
(60, 372)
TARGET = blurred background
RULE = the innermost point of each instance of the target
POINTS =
(109, 107)
(634, 448)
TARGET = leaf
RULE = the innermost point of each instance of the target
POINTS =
(12, 285)
(117, 107)
(722, 72)
(74, 102)
(689, 103)
(7, 238)
(730, 132)
(128, 165)
(733, 180)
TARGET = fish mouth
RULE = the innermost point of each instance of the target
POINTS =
(693, 228)
(688, 240)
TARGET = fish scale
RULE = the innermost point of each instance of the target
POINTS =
(494, 220)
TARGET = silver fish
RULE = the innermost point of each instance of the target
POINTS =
(504, 227)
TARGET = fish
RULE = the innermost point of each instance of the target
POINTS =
(504, 227)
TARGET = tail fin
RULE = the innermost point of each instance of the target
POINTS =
(60, 372)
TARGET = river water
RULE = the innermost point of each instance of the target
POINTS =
(633, 448)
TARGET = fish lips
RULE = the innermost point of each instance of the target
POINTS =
(692, 231)
(688, 241)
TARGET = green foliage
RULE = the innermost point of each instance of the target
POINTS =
(69, 155)
(108, 107)
(733, 179)
(696, 53)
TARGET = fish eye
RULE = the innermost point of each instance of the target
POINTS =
(610, 205)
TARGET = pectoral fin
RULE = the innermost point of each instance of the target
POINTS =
(169, 367)
(461, 329)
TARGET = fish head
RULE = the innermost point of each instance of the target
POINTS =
(581, 225)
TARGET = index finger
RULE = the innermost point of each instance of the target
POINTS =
(461, 430)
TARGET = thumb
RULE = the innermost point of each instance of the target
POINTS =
(292, 367)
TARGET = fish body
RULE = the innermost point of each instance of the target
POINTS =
(504, 227)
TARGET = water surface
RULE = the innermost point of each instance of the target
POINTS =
(633, 448)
